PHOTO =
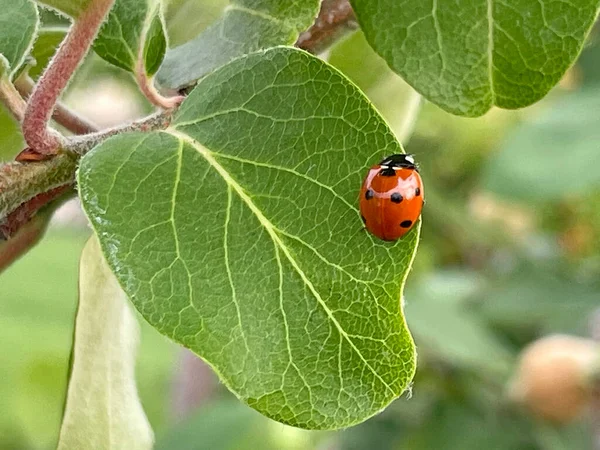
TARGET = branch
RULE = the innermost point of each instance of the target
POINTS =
(146, 85)
(335, 20)
(62, 114)
(57, 75)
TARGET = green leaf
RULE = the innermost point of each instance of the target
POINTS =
(471, 55)
(445, 328)
(245, 27)
(45, 47)
(155, 45)
(133, 29)
(210, 428)
(18, 26)
(69, 7)
(397, 102)
(187, 18)
(541, 301)
(236, 233)
(103, 410)
(550, 156)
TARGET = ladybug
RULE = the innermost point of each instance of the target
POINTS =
(391, 197)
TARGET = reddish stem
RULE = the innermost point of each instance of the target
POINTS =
(57, 75)
(335, 19)
(147, 87)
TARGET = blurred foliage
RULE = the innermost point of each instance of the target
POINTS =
(37, 311)
(510, 251)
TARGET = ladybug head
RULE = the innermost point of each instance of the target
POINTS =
(399, 161)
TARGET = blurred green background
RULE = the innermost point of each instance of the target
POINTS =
(510, 252)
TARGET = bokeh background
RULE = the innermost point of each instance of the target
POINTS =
(510, 252)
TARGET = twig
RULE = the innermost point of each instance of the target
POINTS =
(11, 98)
(57, 75)
(147, 87)
(336, 18)
(63, 115)
(80, 145)
(26, 238)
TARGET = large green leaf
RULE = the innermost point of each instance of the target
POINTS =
(133, 29)
(69, 7)
(236, 233)
(245, 27)
(18, 25)
(469, 55)
(552, 156)
(103, 410)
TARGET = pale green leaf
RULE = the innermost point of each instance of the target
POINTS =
(245, 27)
(18, 26)
(103, 410)
(45, 47)
(69, 7)
(133, 30)
(467, 56)
(552, 156)
(236, 233)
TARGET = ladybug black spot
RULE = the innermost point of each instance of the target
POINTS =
(406, 224)
(369, 194)
(396, 197)
(418, 191)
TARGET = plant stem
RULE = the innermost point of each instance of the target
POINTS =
(57, 75)
(147, 87)
(336, 18)
(80, 145)
(63, 115)
(11, 98)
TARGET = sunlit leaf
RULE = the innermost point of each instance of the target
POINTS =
(236, 233)
(103, 410)
(467, 56)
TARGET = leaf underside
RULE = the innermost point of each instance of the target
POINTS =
(103, 410)
(236, 233)
(246, 26)
(467, 56)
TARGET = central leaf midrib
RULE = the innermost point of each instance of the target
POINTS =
(490, 48)
(206, 154)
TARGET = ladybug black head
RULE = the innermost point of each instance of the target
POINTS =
(399, 161)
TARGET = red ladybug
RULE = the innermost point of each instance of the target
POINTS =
(391, 197)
